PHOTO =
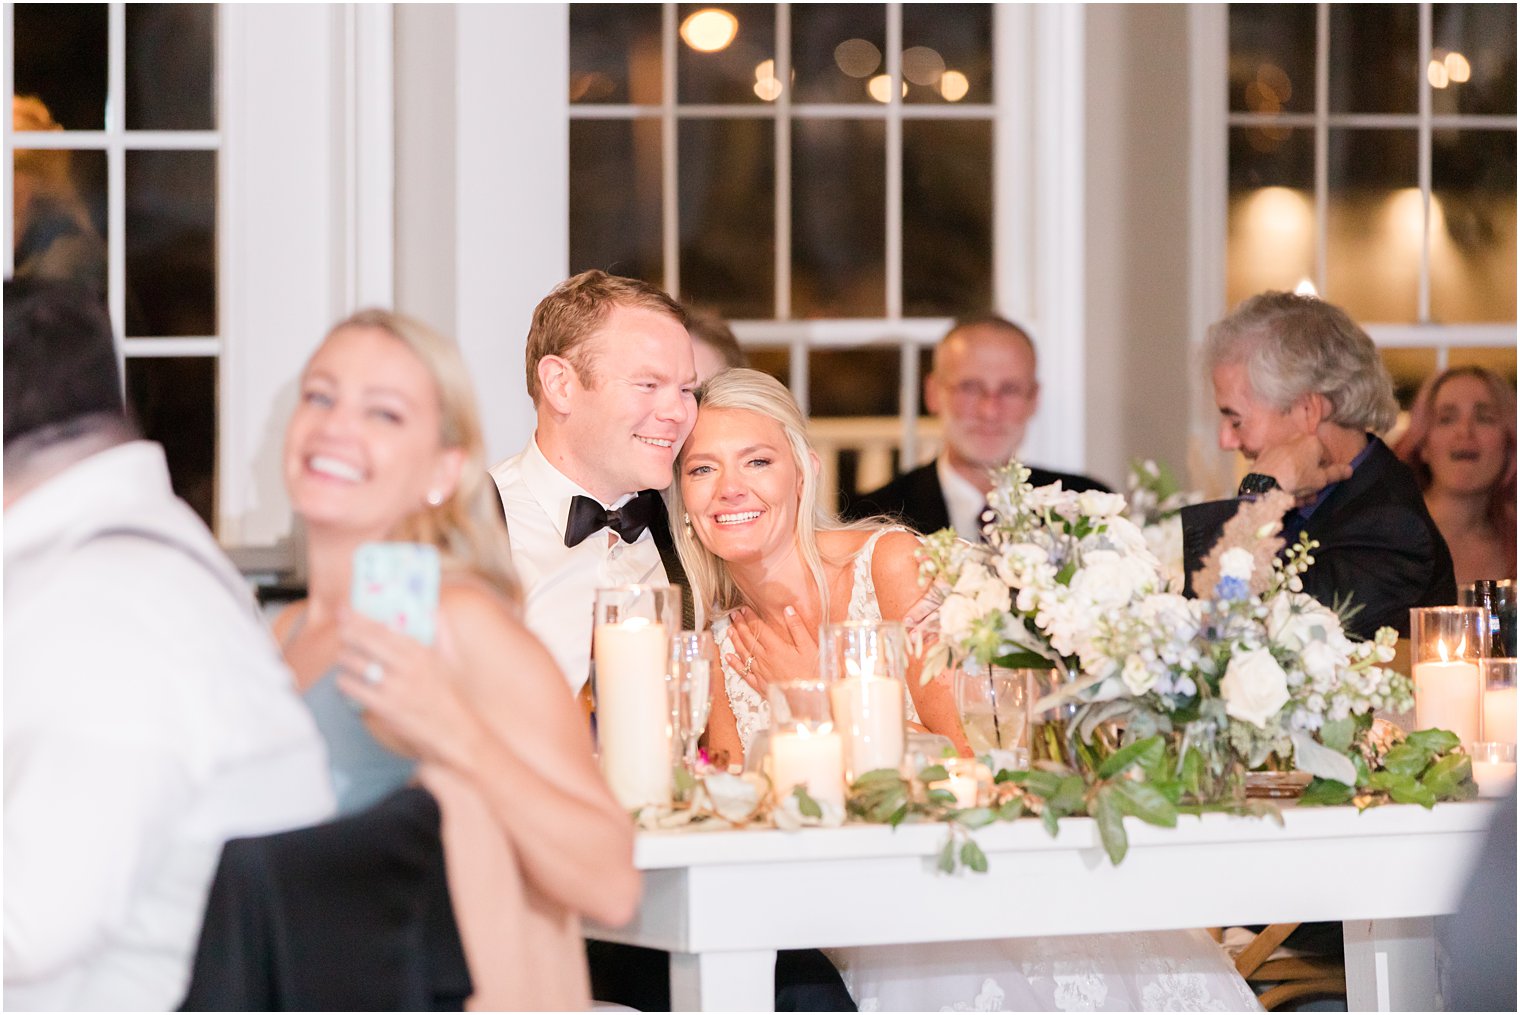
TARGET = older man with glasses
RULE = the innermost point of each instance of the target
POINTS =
(983, 389)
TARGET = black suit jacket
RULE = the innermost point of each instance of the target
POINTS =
(917, 499)
(351, 915)
(1378, 545)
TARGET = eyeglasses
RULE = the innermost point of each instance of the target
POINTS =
(967, 393)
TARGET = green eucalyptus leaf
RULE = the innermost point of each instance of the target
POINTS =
(933, 773)
(1070, 796)
(1405, 760)
(1110, 820)
(1043, 784)
(1433, 741)
(896, 817)
(1337, 734)
(973, 857)
(1143, 801)
(1005, 775)
(1446, 776)
(806, 804)
(947, 856)
(1326, 793)
(1023, 661)
(1049, 820)
(1363, 773)
(1011, 810)
(878, 777)
(941, 796)
(1403, 789)
(1067, 573)
(1145, 753)
(976, 817)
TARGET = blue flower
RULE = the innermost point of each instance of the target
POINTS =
(1231, 589)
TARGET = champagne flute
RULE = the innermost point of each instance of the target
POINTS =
(693, 669)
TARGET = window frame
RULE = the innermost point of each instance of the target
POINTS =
(1045, 294)
(304, 219)
(1212, 120)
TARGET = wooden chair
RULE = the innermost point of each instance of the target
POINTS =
(1292, 976)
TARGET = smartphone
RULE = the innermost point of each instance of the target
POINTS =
(397, 584)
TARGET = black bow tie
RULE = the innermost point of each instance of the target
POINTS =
(629, 521)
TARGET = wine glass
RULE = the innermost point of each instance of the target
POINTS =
(993, 703)
(693, 669)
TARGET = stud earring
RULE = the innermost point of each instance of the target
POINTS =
(434, 498)
(686, 517)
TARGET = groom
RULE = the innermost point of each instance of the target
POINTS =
(611, 373)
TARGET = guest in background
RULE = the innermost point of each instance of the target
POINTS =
(610, 371)
(385, 444)
(1302, 395)
(984, 390)
(54, 236)
(760, 550)
(1461, 446)
(713, 344)
(147, 715)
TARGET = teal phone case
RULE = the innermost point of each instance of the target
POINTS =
(397, 584)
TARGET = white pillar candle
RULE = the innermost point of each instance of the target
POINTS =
(633, 711)
(815, 760)
(965, 782)
(868, 710)
(1446, 697)
(1499, 715)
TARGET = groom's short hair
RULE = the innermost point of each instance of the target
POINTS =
(575, 308)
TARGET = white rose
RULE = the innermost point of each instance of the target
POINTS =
(1254, 687)
(1294, 620)
(956, 615)
(1097, 504)
(1109, 580)
(1237, 563)
(1137, 676)
(1321, 661)
(983, 587)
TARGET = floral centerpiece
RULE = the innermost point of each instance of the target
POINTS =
(1165, 702)
(1155, 500)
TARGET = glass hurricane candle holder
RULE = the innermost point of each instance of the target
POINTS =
(1493, 768)
(805, 749)
(863, 665)
(1498, 700)
(630, 643)
(1447, 644)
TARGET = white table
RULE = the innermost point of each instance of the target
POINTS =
(723, 902)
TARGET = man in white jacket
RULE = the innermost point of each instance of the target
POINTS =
(148, 717)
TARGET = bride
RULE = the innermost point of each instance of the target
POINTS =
(762, 554)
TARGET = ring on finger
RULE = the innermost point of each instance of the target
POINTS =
(373, 672)
(749, 664)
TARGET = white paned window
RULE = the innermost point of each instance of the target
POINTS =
(113, 161)
(1371, 156)
(821, 175)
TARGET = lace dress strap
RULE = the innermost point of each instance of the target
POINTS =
(863, 604)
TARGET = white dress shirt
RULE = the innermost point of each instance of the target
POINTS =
(963, 500)
(148, 718)
(560, 582)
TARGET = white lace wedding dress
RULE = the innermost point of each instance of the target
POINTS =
(1182, 970)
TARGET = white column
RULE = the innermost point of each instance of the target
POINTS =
(512, 196)
(1391, 965)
